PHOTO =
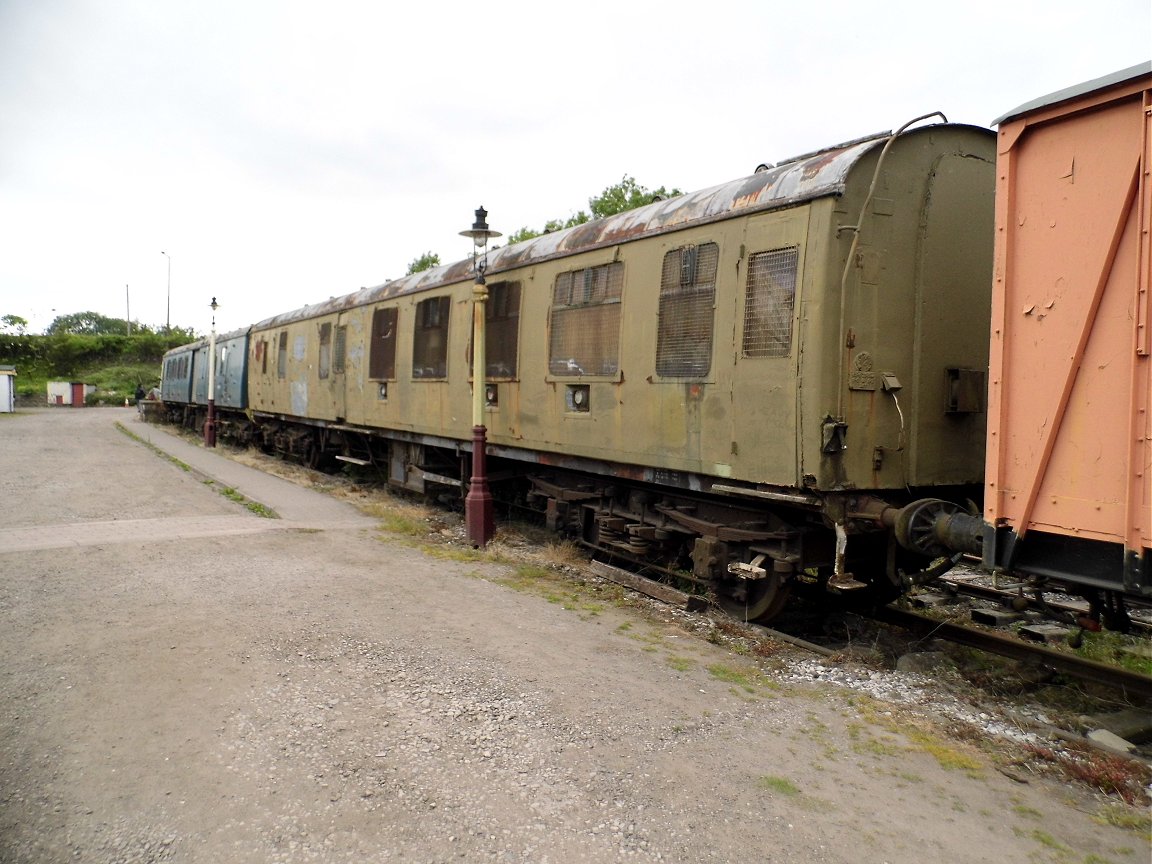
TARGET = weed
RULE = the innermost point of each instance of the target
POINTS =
(948, 757)
(876, 747)
(779, 785)
(452, 553)
(563, 554)
(181, 465)
(747, 679)
(1046, 839)
(1028, 812)
(404, 522)
(1131, 819)
(1111, 774)
(681, 664)
(253, 506)
(1117, 649)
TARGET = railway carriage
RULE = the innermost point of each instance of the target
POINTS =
(184, 382)
(1069, 494)
(743, 383)
(782, 380)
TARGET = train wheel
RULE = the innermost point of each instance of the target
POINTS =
(753, 599)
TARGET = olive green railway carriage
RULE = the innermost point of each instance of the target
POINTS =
(744, 383)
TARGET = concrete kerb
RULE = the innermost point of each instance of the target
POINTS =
(284, 498)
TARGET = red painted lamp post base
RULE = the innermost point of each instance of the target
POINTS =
(478, 516)
(210, 425)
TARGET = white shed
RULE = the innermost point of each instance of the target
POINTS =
(7, 389)
(69, 393)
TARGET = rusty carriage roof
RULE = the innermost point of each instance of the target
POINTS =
(804, 178)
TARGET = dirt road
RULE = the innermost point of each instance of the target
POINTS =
(184, 680)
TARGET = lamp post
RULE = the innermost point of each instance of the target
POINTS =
(478, 503)
(210, 423)
(168, 312)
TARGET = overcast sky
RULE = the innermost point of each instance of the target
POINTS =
(284, 152)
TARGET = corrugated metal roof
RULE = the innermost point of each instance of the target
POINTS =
(1072, 92)
(815, 176)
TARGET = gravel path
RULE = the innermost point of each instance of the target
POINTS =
(186, 681)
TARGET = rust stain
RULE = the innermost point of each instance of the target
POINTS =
(802, 179)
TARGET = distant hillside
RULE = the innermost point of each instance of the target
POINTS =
(115, 364)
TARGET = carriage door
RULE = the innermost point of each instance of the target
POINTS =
(339, 353)
(765, 381)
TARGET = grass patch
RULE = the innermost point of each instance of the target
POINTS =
(748, 679)
(555, 587)
(1117, 649)
(1138, 819)
(454, 553)
(252, 506)
(948, 757)
(399, 518)
(1046, 839)
(778, 785)
(680, 664)
(1028, 812)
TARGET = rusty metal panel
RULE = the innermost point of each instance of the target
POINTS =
(1069, 375)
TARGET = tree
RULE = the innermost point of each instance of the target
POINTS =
(425, 262)
(14, 324)
(625, 195)
(93, 324)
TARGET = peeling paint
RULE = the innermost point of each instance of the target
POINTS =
(804, 179)
(299, 390)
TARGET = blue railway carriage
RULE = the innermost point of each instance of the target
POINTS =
(184, 380)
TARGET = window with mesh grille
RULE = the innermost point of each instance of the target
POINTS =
(325, 365)
(339, 350)
(501, 331)
(687, 307)
(382, 353)
(430, 340)
(282, 356)
(586, 321)
(768, 298)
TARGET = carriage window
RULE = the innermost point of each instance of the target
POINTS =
(282, 356)
(768, 298)
(502, 330)
(687, 306)
(382, 356)
(430, 340)
(325, 365)
(586, 321)
(340, 349)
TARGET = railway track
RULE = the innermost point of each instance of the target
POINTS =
(1132, 685)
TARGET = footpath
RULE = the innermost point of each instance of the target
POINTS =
(290, 502)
